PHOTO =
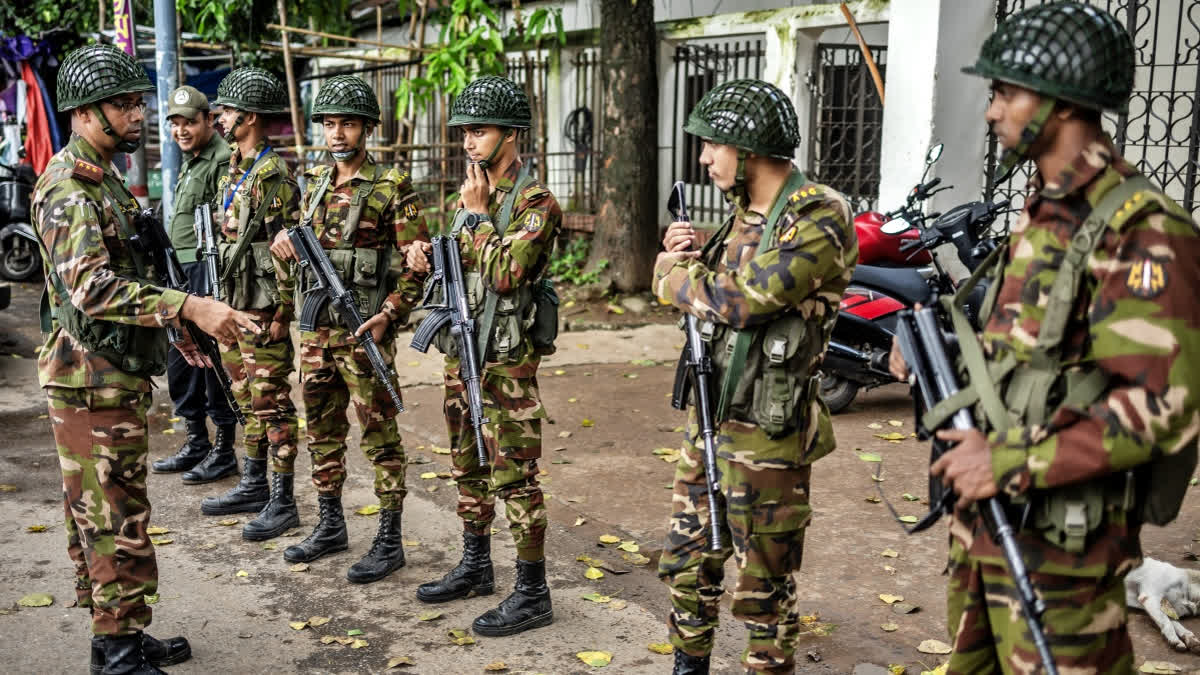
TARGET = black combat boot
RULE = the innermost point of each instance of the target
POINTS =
(221, 460)
(250, 495)
(472, 576)
(158, 652)
(386, 554)
(329, 536)
(278, 515)
(193, 450)
(528, 606)
(125, 655)
(686, 664)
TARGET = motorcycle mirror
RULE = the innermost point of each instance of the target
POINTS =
(895, 226)
(934, 153)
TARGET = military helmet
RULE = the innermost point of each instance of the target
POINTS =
(747, 114)
(96, 72)
(252, 90)
(492, 100)
(1064, 50)
(346, 95)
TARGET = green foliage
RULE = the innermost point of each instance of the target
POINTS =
(34, 17)
(568, 261)
(470, 43)
(243, 24)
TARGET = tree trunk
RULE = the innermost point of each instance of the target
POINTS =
(627, 222)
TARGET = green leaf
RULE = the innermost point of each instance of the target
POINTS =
(870, 457)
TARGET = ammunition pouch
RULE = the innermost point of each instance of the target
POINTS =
(514, 322)
(364, 271)
(248, 281)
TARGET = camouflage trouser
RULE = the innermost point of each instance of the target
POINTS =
(513, 448)
(259, 369)
(1085, 619)
(102, 448)
(765, 513)
(333, 378)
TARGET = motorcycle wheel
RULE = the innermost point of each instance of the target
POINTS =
(19, 261)
(837, 392)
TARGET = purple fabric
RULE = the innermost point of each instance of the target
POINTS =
(24, 48)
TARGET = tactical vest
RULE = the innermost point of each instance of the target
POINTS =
(765, 371)
(506, 323)
(247, 268)
(137, 350)
(364, 270)
(1008, 393)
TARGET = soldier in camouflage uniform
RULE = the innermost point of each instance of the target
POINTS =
(365, 216)
(767, 288)
(505, 230)
(258, 198)
(1087, 361)
(102, 318)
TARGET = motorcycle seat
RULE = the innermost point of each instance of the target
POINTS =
(905, 283)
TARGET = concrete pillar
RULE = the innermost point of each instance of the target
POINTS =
(166, 64)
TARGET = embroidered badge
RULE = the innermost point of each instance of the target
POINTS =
(410, 210)
(533, 223)
(1147, 278)
(789, 235)
(277, 204)
(87, 171)
(795, 197)
(181, 97)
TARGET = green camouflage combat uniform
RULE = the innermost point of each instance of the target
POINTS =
(509, 381)
(334, 370)
(98, 407)
(764, 477)
(260, 284)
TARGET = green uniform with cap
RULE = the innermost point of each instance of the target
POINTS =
(199, 177)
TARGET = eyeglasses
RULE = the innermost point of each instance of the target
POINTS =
(127, 107)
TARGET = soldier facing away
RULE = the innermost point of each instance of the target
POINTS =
(505, 243)
(196, 392)
(258, 198)
(365, 217)
(768, 284)
(1086, 366)
(103, 321)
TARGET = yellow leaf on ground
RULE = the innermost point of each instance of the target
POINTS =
(439, 451)
(343, 640)
(560, 371)
(7, 487)
(934, 647)
(228, 522)
(429, 475)
(298, 625)
(36, 528)
(169, 432)
(242, 573)
(889, 598)
(156, 530)
(940, 670)
(369, 509)
(564, 434)
(628, 546)
(1159, 668)
(414, 363)
(597, 598)
(609, 539)
(890, 627)
(315, 621)
(359, 644)
(161, 541)
(36, 600)
(299, 567)
(660, 647)
(328, 639)
(895, 423)
(595, 659)
(889, 569)
(496, 667)
(429, 616)
(874, 425)
(891, 436)
(593, 573)
(907, 519)
(397, 661)
(580, 520)
(635, 558)
(587, 423)
(618, 605)
(889, 553)
(270, 546)
(897, 669)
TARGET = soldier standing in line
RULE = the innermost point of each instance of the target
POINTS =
(196, 392)
(505, 240)
(103, 322)
(1086, 366)
(258, 198)
(768, 284)
(364, 216)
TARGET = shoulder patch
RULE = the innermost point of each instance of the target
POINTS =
(533, 223)
(411, 211)
(1147, 278)
(88, 172)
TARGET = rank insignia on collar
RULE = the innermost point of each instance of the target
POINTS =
(789, 235)
(1147, 278)
(533, 223)
(85, 170)
(410, 210)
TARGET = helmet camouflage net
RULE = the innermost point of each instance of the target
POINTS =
(346, 95)
(748, 114)
(252, 90)
(1064, 50)
(94, 73)
(492, 100)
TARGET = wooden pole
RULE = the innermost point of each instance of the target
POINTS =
(868, 58)
(293, 95)
(345, 38)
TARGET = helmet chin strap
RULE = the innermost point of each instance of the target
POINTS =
(353, 152)
(738, 194)
(1012, 157)
(122, 144)
(229, 135)
(487, 161)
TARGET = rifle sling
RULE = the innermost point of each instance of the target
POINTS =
(741, 345)
(244, 238)
(492, 299)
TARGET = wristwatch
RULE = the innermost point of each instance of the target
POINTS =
(475, 219)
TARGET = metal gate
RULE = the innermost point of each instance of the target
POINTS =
(1161, 133)
(699, 66)
(847, 123)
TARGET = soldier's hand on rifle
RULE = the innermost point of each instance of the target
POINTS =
(191, 353)
(282, 246)
(896, 365)
(967, 467)
(278, 330)
(377, 324)
(680, 236)
(417, 256)
(475, 190)
(217, 318)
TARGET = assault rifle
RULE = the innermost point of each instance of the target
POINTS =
(694, 375)
(151, 239)
(329, 288)
(208, 248)
(448, 277)
(924, 344)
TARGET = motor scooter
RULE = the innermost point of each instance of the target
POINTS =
(20, 259)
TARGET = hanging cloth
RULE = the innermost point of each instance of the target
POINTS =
(38, 146)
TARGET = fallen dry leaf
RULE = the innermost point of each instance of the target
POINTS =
(595, 659)
(593, 573)
(873, 499)
(161, 541)
(242, 573)
(1159, 668)
(157, 530)
(36, 600)
(315, 621)
(432, 615)
(609, 539)
(299, 567)
(587, 423)
(895, 423)
(428, 475)
(328, 639)
(907, 519)
(228, 522)
(628, 546)
(889, 598)
(874, 425)
(439, 451)
(359, 644)
(580, 520)
(597, 598)
(618, 605)
(564, 434)
(889, 553)
(7, 487)
(904, 608)
(369, 509)
(890, 627)
(660, 647)
(496, 667)
(35, 528)
(298, 625)
(934, 647)
(870, 457)
(397, 661)
(891, 436)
